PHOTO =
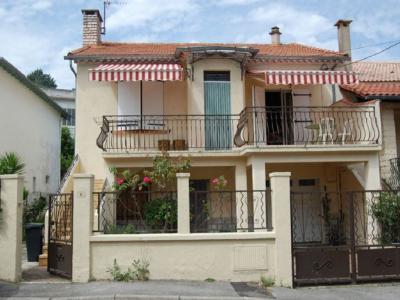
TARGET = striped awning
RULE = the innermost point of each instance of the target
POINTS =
(297, 77)
(136, 72)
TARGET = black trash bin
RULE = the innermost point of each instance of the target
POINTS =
(34, 240)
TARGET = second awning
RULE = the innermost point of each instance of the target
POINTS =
(136, 72)
(298, 77)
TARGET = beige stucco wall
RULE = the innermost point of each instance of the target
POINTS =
(235, 258)
(390, 133)
(31, 128)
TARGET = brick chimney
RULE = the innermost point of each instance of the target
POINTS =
(91, 26)
(275, 36)
(343, 27)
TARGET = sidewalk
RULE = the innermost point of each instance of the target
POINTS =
(153, 289)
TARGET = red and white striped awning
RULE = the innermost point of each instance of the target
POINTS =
(136, 72)
(296, 77)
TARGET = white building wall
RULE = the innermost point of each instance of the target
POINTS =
(31, 128)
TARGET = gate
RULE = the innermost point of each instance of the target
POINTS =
(345, 237)
(60, 235)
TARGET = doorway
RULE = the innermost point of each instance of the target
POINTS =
(279, 117)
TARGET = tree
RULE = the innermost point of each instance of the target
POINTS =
(67, 150)
(10, 163)
(42, 79)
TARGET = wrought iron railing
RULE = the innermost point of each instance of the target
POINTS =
(136, 212)
(307, 126)
(67, 173)
(230, 211)
(258, 126)
(394, 180)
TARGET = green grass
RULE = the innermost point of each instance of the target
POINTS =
(267, 282)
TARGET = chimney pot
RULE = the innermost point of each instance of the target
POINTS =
(91, 26)
(344, 40)
(275, 36)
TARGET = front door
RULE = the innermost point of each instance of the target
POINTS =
(217, 110)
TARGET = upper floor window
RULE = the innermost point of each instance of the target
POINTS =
(70, 119)
(217, 76)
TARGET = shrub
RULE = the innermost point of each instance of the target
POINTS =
(161, 214)
(35, 211)
(10, 163)
(139, 271)
(266, 282)
(119, 229)
(387, 213)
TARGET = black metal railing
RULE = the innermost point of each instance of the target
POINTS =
(135, 212)
(230, 211)
(258, 126)
(394, 180)
(67, 173)
(307, 126)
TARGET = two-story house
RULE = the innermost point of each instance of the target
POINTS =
(238, 110)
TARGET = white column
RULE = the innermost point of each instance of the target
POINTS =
(11, 227)
(242, 214)
(280, 202)
(259, 199)
(82, 226)
(183, 202)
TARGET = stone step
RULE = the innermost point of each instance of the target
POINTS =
(43, 260)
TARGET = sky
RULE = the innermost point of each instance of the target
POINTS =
(39, 33)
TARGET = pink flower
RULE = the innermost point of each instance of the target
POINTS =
(146, 179)
(119, 181)
(214, 181)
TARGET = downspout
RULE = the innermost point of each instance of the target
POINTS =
(72, 68)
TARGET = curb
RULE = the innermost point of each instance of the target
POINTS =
(136, 297)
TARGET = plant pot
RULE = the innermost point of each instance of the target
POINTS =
(164, 145)
(34, 240)
(179, 144)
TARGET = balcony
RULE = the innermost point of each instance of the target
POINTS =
(253, 127)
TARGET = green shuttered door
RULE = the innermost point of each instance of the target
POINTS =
(217, 107)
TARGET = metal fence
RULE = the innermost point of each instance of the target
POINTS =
(135, 212)
(230, 211)
(394, 180)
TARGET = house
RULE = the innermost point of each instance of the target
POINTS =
(31, 127)
(381, 81)
(66, 99)
(255, 114)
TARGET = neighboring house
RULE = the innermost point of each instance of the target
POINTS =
(31, 126)
(243, 111)
(65, 99)
(381, 81)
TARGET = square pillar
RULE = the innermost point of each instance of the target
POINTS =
(259, 199)
(183, 202)
(11, 194)
(242, 214)
(82, 226)
(280, 203)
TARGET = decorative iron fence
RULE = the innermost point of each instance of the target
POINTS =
(394, 180)
(345, 237)
(167, 132)
(230, 211)
(135, 212)
(307, 126)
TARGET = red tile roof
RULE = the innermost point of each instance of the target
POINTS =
(168, 49)
(365, 89)
(377, 71)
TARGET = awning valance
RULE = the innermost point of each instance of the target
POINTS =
(298, 77)
(136, 72)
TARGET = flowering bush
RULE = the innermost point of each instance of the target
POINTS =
(219, 183)
(128, 181)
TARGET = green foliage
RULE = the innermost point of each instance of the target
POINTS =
(118, 229)
(387, 213)
(35, 211)
(209, 279)
(139, 271)
(161, 213)
(10, 163)
(126, 181)
(40, 78)
(67, 150)
(164, 170)
(266, 282)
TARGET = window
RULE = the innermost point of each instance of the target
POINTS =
(47, 179)
(217, 76)
(143, 102)
(307, 182)
(70, 119)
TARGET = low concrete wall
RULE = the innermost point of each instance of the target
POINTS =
(222, 256)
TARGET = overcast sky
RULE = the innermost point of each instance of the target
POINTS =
(38, 33)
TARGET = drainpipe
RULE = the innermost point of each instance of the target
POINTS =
(72, 68)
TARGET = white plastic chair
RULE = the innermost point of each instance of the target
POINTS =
(326, 127)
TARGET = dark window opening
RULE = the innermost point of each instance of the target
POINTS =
(217, 76)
